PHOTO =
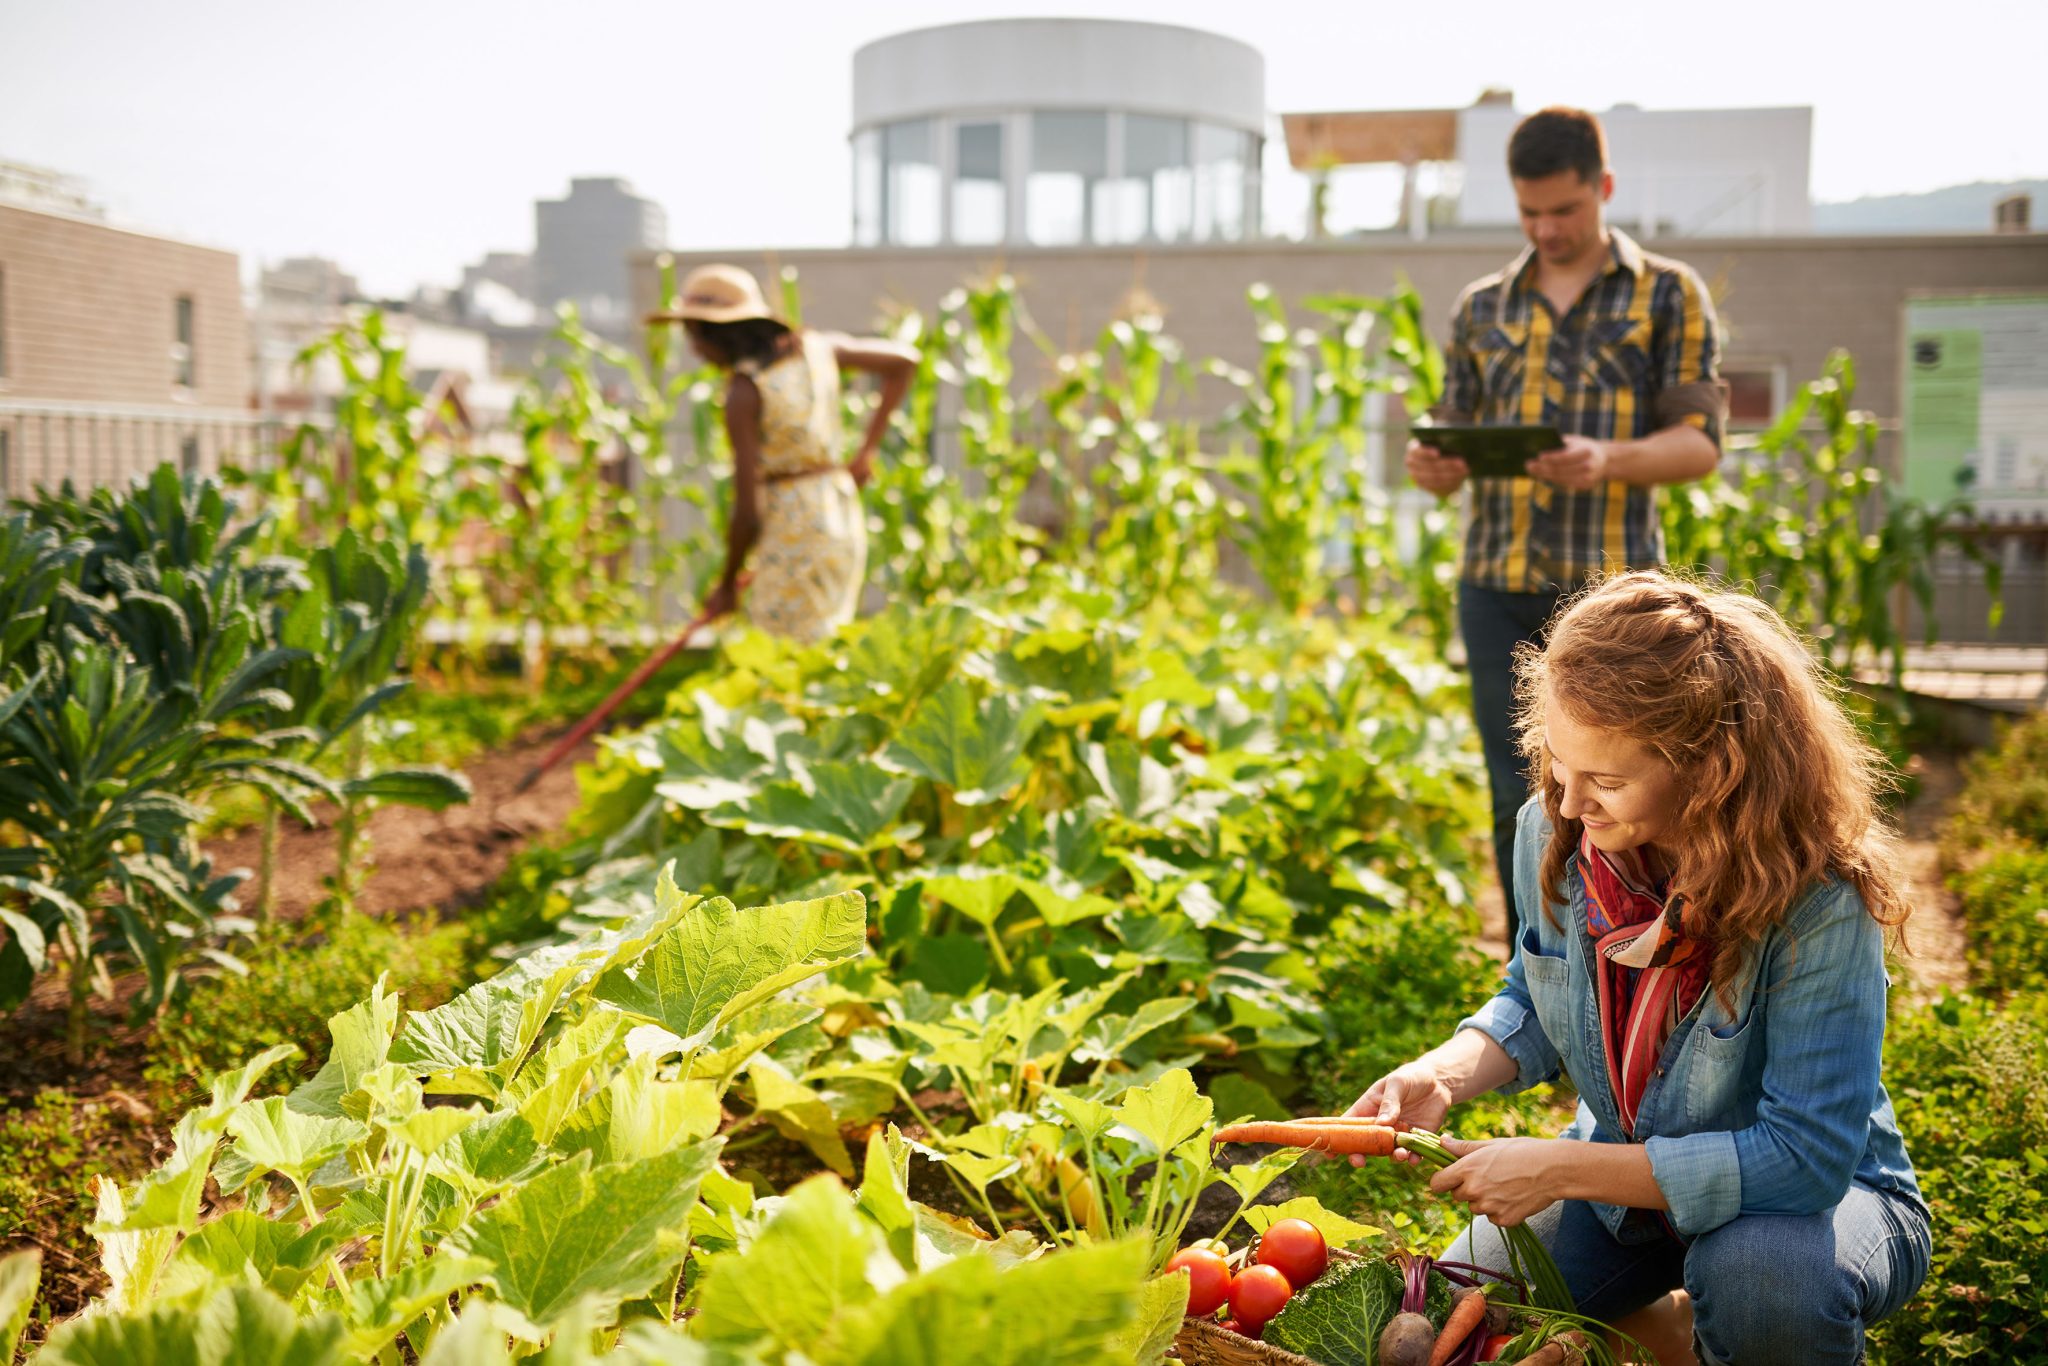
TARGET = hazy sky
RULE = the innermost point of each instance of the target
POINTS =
(405, 139)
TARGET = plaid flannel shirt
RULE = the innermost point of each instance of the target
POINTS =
(1637, 353)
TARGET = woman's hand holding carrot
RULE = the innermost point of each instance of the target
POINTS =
(1418, 1094)
(1505, 1179)
(1412, 1096)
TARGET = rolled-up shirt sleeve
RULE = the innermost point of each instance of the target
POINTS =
(1509, 1019)
(1686, 353)
(1826, 998)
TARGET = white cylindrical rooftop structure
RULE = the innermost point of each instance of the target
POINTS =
(1056, 132)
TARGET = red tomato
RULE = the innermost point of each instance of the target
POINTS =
(1208, 1278)
(1233, 1326)
(1295, 1248)
(1256, 1295)
(1495, 1345)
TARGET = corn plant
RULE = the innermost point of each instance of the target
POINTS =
(916, 511)
(997, 452)
(382, 467)
(1808, 520)
(576, 523)
(1383, 345)
(1142, 502)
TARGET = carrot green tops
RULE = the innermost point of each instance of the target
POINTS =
(1637, 353)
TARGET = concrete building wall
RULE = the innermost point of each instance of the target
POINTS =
(1694, 171)
(90, 385)
(1060, 64)
(1784, 302)
(90, 315)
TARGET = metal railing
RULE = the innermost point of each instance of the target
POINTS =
(45, 442)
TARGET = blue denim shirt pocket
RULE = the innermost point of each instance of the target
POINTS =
(1725, 1070)
(1547, 971)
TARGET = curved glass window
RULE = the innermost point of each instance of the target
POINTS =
(867, 188)
(981, 202)
(1067, 184)
(1222, 177)
(1163, 184)
(910, 184)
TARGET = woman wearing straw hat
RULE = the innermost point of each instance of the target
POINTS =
(797, 523)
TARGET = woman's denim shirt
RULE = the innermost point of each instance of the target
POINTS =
(1771, 1109)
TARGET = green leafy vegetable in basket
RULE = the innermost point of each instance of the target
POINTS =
(1338, 1319)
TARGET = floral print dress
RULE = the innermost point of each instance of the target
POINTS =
(811, 558)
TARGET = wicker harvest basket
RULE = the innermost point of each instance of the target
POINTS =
(1205, 1342)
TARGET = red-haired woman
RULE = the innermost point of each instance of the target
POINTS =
(1706, 891)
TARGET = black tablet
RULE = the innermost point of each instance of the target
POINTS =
(1491, 452)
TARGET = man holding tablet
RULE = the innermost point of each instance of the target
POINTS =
(1603, 359)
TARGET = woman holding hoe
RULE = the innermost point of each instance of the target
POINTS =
(1706, 891)
(797, 522)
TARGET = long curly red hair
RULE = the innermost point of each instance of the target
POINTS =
(1779, 787)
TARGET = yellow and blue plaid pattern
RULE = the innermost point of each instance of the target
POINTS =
(1637, 353)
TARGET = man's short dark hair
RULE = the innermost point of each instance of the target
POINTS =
(1558, 139)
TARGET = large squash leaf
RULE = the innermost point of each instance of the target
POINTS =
(851, 807)
(1073, 1309)
(718, 961)
(576, 1230)
(240, 1326)
(974, 748)
(807, 1269)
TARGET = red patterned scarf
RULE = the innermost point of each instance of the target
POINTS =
(1649, 974)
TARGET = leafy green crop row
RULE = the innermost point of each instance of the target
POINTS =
(1063, 792)
(150, 658)
(536, 1161)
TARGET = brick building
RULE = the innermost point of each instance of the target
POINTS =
(118, 348)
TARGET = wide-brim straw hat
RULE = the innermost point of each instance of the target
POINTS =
(718, 294)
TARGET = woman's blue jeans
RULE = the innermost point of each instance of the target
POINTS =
(1766, 1288)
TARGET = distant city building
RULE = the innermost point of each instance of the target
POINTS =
(584, 245)
(33, 187)
(498, 290)
(302, 301)
(1056, 132)
(313, 283)
(119, 349)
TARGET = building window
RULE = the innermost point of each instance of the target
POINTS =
(1756, 393)
(1154, 196)
(910, 184)
(188, 454)
(981, 207)
(3, 324)
(867, 188)
(6, 464)
(1222, 172)
(1068, 181)
(181, 348)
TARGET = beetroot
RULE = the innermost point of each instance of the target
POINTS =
(1406, 1341)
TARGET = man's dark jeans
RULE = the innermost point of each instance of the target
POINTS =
(1493, 623)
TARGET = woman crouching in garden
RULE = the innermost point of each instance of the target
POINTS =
(797, 527)
(1705, 887)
